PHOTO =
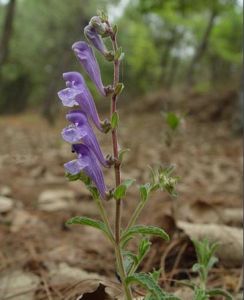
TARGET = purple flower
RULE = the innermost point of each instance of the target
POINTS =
(86, 162)
(95, 39)
(78, 93)
(88, 60)
(80, 130)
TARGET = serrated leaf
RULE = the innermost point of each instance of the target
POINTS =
(114, 120)
(220, 292)
(120, 191)
(145, 230)
(88, 222)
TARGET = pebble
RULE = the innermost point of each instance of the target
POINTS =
(54, 200)
(6, 204)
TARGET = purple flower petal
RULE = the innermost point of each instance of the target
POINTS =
(67, 96)
(81, 130)
(88, 60)
(73, 134)
(78, 93)
(87, 163)
(75, 166)
(95, 39)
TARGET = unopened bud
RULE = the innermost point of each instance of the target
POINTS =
(97, 24)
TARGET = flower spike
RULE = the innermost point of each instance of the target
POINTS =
(81, 130)
(86, 162)
(88, 60)
(77, 93)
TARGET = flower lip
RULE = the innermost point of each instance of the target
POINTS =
(87, 163)
(80, 130)
(77, 93)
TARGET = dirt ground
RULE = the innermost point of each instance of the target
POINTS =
(42, 258)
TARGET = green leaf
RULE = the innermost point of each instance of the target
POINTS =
(220, 292)
(172, 120)
(144, 191)
(144, 247)
(145, 230)
(130, 259)
(146, 282)
(119, 88)
(88, 222)
(120, 191)
(114, 120)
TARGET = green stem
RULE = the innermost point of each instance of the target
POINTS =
(105, 219)
(136, 214)
(122, 272)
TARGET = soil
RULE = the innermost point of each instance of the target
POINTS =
(206, 152)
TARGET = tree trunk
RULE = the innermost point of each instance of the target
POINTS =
(202, 47)
(7, 32)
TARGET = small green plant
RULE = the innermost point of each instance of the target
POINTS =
(173, 122)
(205, 261)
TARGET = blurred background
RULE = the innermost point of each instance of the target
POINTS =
(182, 105)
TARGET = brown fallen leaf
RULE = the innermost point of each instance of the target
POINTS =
(230, 241)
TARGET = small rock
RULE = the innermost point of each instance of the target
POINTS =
(18, 285)
(53, 200)
(6, 204)
(5, 191)
(22, 218)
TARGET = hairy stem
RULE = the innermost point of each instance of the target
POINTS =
(118, 253)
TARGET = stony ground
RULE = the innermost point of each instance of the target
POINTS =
(41, 258)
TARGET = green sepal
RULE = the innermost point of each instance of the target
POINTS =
(80, 176)
(114, 120)
(119, 88)
(145, 230)
(109, 55)
(121, 190)
(118, 55)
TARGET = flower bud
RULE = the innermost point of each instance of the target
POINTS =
(97, 24)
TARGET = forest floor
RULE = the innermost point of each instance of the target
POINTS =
(42, 258)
